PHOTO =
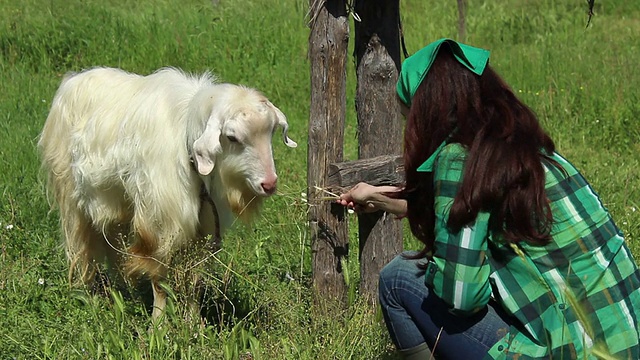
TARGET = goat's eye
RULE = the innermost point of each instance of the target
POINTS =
(232, 138)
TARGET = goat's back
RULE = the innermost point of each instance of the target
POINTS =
(104, 107)
(114, 145)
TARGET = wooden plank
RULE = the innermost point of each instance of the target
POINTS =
(379, 170)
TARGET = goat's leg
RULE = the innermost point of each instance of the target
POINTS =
(144, 260)
(82, 243)
(194, 292)
(114, 245)
(159, 299)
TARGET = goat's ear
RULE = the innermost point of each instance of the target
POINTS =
(282, 121)
(207, 147)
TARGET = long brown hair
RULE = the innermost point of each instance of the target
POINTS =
(506, 145)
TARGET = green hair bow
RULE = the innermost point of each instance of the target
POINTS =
(416, 66)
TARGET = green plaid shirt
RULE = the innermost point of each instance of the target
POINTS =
(576, 298)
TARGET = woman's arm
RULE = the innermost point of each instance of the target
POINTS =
(459, 270)
(368, 198)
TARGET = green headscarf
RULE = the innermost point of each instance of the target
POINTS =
(416, 66)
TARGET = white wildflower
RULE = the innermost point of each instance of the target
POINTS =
(9, 227)
(289, 277)
(41, 281)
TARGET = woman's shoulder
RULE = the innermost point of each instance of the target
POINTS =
(451, 158)
(453, 149)
(452, 152)
(559, 167)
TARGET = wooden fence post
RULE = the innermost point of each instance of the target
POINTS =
(328, 43)
(377, 51)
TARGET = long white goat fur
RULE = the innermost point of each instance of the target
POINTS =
(119, 151)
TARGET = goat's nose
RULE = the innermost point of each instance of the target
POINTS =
(269, 186)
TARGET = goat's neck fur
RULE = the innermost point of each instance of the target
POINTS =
(236, 201)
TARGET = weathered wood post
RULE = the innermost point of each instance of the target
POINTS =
(377, 52)
(328, 43)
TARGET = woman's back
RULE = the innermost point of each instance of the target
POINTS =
(579, 291)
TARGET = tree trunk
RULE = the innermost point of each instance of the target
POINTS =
(462, 13)
(377, 51)
(328, 57)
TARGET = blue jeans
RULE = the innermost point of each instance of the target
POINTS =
(414, 315)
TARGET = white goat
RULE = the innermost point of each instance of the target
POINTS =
(154, 157)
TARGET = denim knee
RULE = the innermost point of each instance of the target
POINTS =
(401, 292)
(401, 269)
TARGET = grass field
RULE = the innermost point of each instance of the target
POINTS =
(583, 83)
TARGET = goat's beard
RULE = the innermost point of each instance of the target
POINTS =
(244, 203)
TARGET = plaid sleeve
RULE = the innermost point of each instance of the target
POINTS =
(459, 272)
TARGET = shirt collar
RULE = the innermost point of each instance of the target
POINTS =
(427, 166)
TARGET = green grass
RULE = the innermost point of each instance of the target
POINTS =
(581, 82)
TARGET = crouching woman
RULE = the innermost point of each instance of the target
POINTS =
(520, 259)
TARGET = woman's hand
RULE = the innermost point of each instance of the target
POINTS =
(365, 198)
(358, 198)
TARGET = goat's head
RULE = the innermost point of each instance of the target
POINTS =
(237, 143)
